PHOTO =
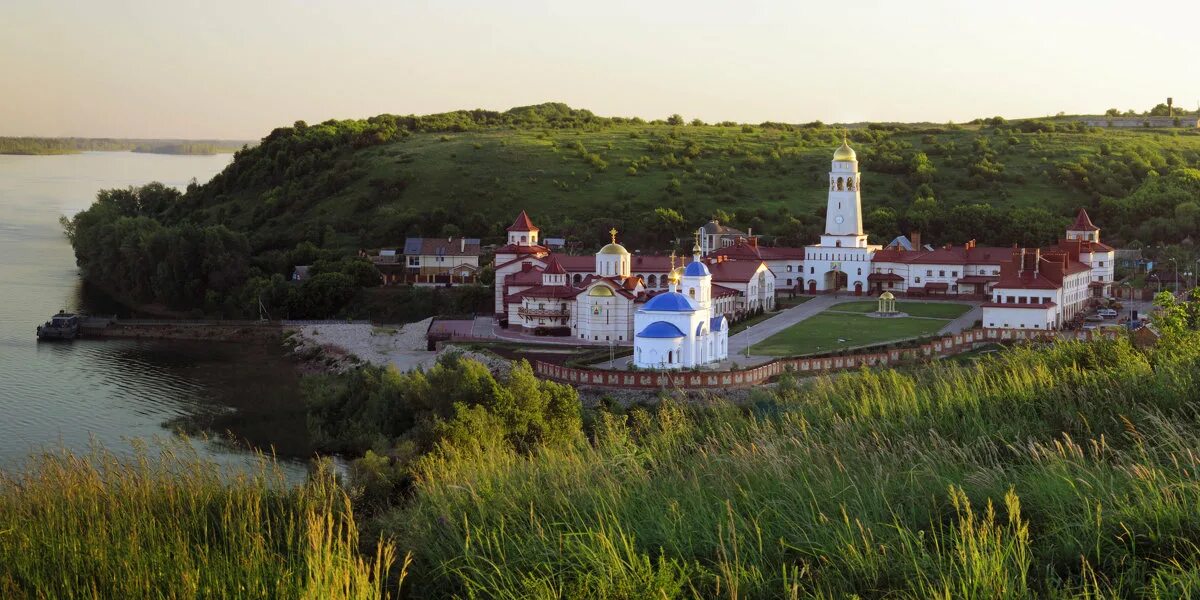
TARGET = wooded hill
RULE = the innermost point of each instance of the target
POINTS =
(345, 185)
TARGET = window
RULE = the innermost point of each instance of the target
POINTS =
(789, 283)
(916, 280)
(891, 284)
(789, 269)
(1102, 263)
(954, 273)
(941, 273)
(812, 270)
(929, 272)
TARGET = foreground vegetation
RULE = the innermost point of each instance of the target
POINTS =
(170, 525)
(1057, 471)
(1065, 471)
(341, 186)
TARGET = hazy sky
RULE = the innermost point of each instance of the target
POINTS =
(235, 69)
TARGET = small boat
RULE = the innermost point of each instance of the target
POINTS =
(63, 326)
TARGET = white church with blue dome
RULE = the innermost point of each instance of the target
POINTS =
(679, 329)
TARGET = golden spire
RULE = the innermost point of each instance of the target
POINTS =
(696, 248)
(613, 233)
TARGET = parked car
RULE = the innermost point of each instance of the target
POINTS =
(1096, 318)
(1107, 313)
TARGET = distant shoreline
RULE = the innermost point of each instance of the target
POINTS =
(40, 146)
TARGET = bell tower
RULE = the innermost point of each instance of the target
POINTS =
(843, 215)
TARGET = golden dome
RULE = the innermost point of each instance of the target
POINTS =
(601, 292)
(887, 296)
(613, 248)
(676, 274)
(845, 152)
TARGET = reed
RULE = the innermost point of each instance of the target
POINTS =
(168, 524)
(1065, 471)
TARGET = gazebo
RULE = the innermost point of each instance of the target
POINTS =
(887, 304)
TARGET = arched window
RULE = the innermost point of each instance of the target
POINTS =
(652, 281)
(850, 183)
(577, 278)
(840, 184)
(838, 243)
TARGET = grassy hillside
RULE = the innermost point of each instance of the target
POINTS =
(581, 181)
(344, 185)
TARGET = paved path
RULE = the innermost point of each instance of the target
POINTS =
(966, 321)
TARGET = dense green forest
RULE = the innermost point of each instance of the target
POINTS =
(1066, 470)
(340, 186)
(37, 145)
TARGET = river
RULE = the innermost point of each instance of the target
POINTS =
(111, 392)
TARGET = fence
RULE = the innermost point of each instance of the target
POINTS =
(941, 347)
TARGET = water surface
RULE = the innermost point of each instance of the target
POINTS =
(70, 394)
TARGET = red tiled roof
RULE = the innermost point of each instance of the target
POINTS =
(523, 223)
(739, 271)
(553, 267)
(650, 263)
(739, 252)
(1087, 246)
(577, 264)
(543, 291)
(525, 277)
(1026, 281)
(516, 249)
(1083, 222)
(720, 291)
(884, 277)
(955, 255)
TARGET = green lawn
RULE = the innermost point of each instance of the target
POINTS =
(935, 310)
(833, 331)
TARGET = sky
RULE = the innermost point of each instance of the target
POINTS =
(237, 69)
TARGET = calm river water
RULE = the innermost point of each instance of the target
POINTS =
(56, 394)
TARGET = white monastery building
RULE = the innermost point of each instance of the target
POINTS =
(612, 296)
(595, 298)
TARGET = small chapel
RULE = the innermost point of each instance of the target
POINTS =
(678, 329)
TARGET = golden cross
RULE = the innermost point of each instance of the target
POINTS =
(613, 233)
(672, 260)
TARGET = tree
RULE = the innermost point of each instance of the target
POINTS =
(675, 119)
(1112, 112)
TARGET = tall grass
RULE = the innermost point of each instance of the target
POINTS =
(168, 524)
(1059, 472)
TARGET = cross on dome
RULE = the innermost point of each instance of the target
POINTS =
(613, 233)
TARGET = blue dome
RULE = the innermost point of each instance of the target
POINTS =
(716, 323)
(670, 301)
(660, 329)
(696, 269)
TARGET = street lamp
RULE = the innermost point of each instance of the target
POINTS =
(748, 342)
(1176, 282)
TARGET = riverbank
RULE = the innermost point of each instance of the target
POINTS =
(206, 331)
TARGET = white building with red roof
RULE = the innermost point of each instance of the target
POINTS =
(1100, 257)
(1039, 288)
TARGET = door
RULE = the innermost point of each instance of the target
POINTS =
(857, 288)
